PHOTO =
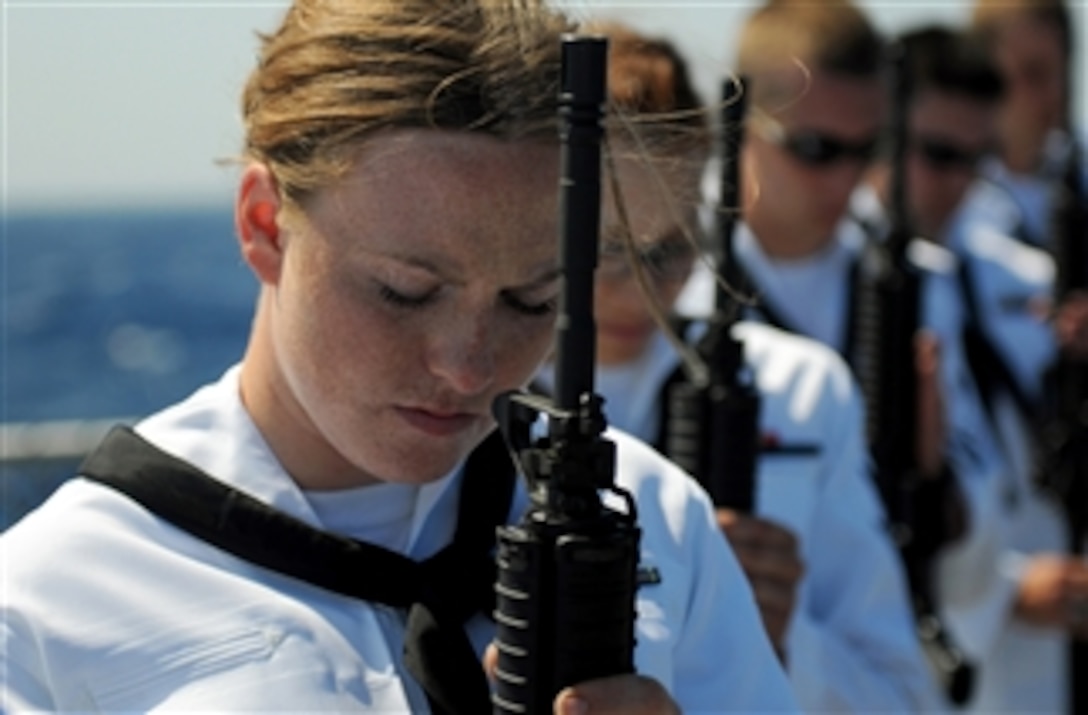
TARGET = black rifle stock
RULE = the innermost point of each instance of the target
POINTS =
(1063, 440)
(565, 605)
(1065, 419)
(887, 319)
(713, 427)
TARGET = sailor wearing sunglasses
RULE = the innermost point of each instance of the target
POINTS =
(819, 104)
(813, 147)
(1006, 286)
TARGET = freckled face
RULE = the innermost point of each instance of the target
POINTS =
(412, 293)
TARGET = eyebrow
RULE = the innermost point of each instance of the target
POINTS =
(545, 276)
(410, 260)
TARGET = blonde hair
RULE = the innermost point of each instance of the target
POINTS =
(832, 36)
(337, 72)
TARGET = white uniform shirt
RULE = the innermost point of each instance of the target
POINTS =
(973, 595)
(1014, 282)
(851, 644)
(1026, 670)
(106, 608)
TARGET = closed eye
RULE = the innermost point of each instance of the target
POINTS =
(538, 309)
(402, 300)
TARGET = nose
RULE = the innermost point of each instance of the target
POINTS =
(622, 298)
(846, 175)
(463, 355)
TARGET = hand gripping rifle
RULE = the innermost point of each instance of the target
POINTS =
(1063, 441)
(887, 317)
(567, 571)
(713, 418)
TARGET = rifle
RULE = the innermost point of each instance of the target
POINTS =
(887, 317)
(1065, 429)
(567, 571)
(1063, 440)
(712, 427)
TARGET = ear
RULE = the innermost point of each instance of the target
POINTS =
(256, 211)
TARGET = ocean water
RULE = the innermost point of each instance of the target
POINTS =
(110, 315)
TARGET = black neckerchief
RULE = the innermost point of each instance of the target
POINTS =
(439, 594)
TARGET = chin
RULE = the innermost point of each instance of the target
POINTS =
(620, 353)
(421, 464)
(417, 472)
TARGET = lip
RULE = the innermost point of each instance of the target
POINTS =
(437, 423)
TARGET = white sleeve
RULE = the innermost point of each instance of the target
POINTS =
(852, 644)
(699, 631)
(723, 607)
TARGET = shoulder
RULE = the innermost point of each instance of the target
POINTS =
(84, 508)
(988, 246)
(669, 501)
(643, 470)
(986, 202)
(932, 258)
(942, 298)
(77, 537)
(787, 362)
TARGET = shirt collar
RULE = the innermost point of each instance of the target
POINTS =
(212, 430)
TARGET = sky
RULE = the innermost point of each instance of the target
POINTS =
(135, 102)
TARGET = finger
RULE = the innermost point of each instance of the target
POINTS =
(775, 610)
(491, 661)
(930, 404)
(755, 530)
(927, 353)
(774, 536)
(632, 694)
(778, 566)
(776, 624)
(1075, 573)
(732, 522)
(773, 596)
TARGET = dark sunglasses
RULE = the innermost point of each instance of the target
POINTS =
(668, 260)
(944, 155)
(816, 149)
